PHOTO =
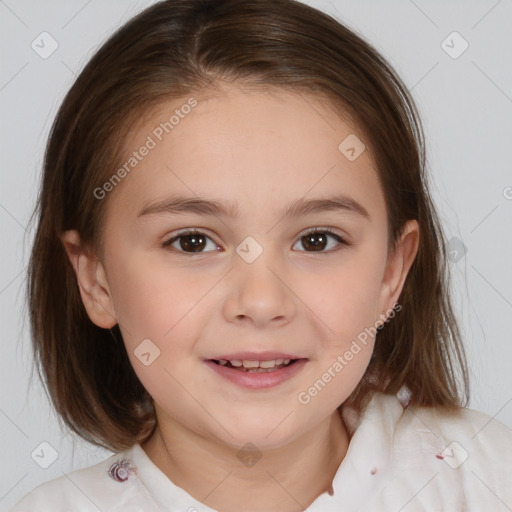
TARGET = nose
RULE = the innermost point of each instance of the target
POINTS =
(259, 292)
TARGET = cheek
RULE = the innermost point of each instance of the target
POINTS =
(346, 296)
(161, 304)
(345, 306)
(152, 300)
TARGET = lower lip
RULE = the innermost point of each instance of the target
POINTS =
(263, 380)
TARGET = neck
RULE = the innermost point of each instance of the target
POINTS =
(288, 478)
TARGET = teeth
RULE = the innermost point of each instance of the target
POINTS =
(264, 364)
(251, 364)
(248, 364)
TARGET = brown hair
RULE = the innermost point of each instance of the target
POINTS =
(167, 51)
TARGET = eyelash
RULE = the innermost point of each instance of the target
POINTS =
(341, 241)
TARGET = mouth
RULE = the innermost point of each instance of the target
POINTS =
(258, 373)
(254, 366)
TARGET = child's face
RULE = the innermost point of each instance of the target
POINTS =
(261, 151)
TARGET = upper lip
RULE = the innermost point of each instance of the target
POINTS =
(256, 356)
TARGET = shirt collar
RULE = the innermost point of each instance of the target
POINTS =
(361, 473)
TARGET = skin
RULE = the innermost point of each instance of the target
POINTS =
(262, 149)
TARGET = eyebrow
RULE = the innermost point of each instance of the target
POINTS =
(180, 205)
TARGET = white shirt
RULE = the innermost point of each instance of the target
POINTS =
(399, 459)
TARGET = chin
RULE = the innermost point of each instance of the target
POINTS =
(264, 438)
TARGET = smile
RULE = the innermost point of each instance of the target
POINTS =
(254, 375)
(256, 366)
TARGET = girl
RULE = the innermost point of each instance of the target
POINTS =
(238, 282)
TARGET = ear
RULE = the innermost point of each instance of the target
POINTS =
(92, 281)
(397, 267)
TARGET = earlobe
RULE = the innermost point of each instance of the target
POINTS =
(398, 266)
(92, 281)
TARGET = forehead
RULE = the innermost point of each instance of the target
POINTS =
(258, 147)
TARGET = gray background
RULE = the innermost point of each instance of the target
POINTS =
(466, 104)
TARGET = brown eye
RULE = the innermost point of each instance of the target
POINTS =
(318, 240)
(190, 242)
(314, 242)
